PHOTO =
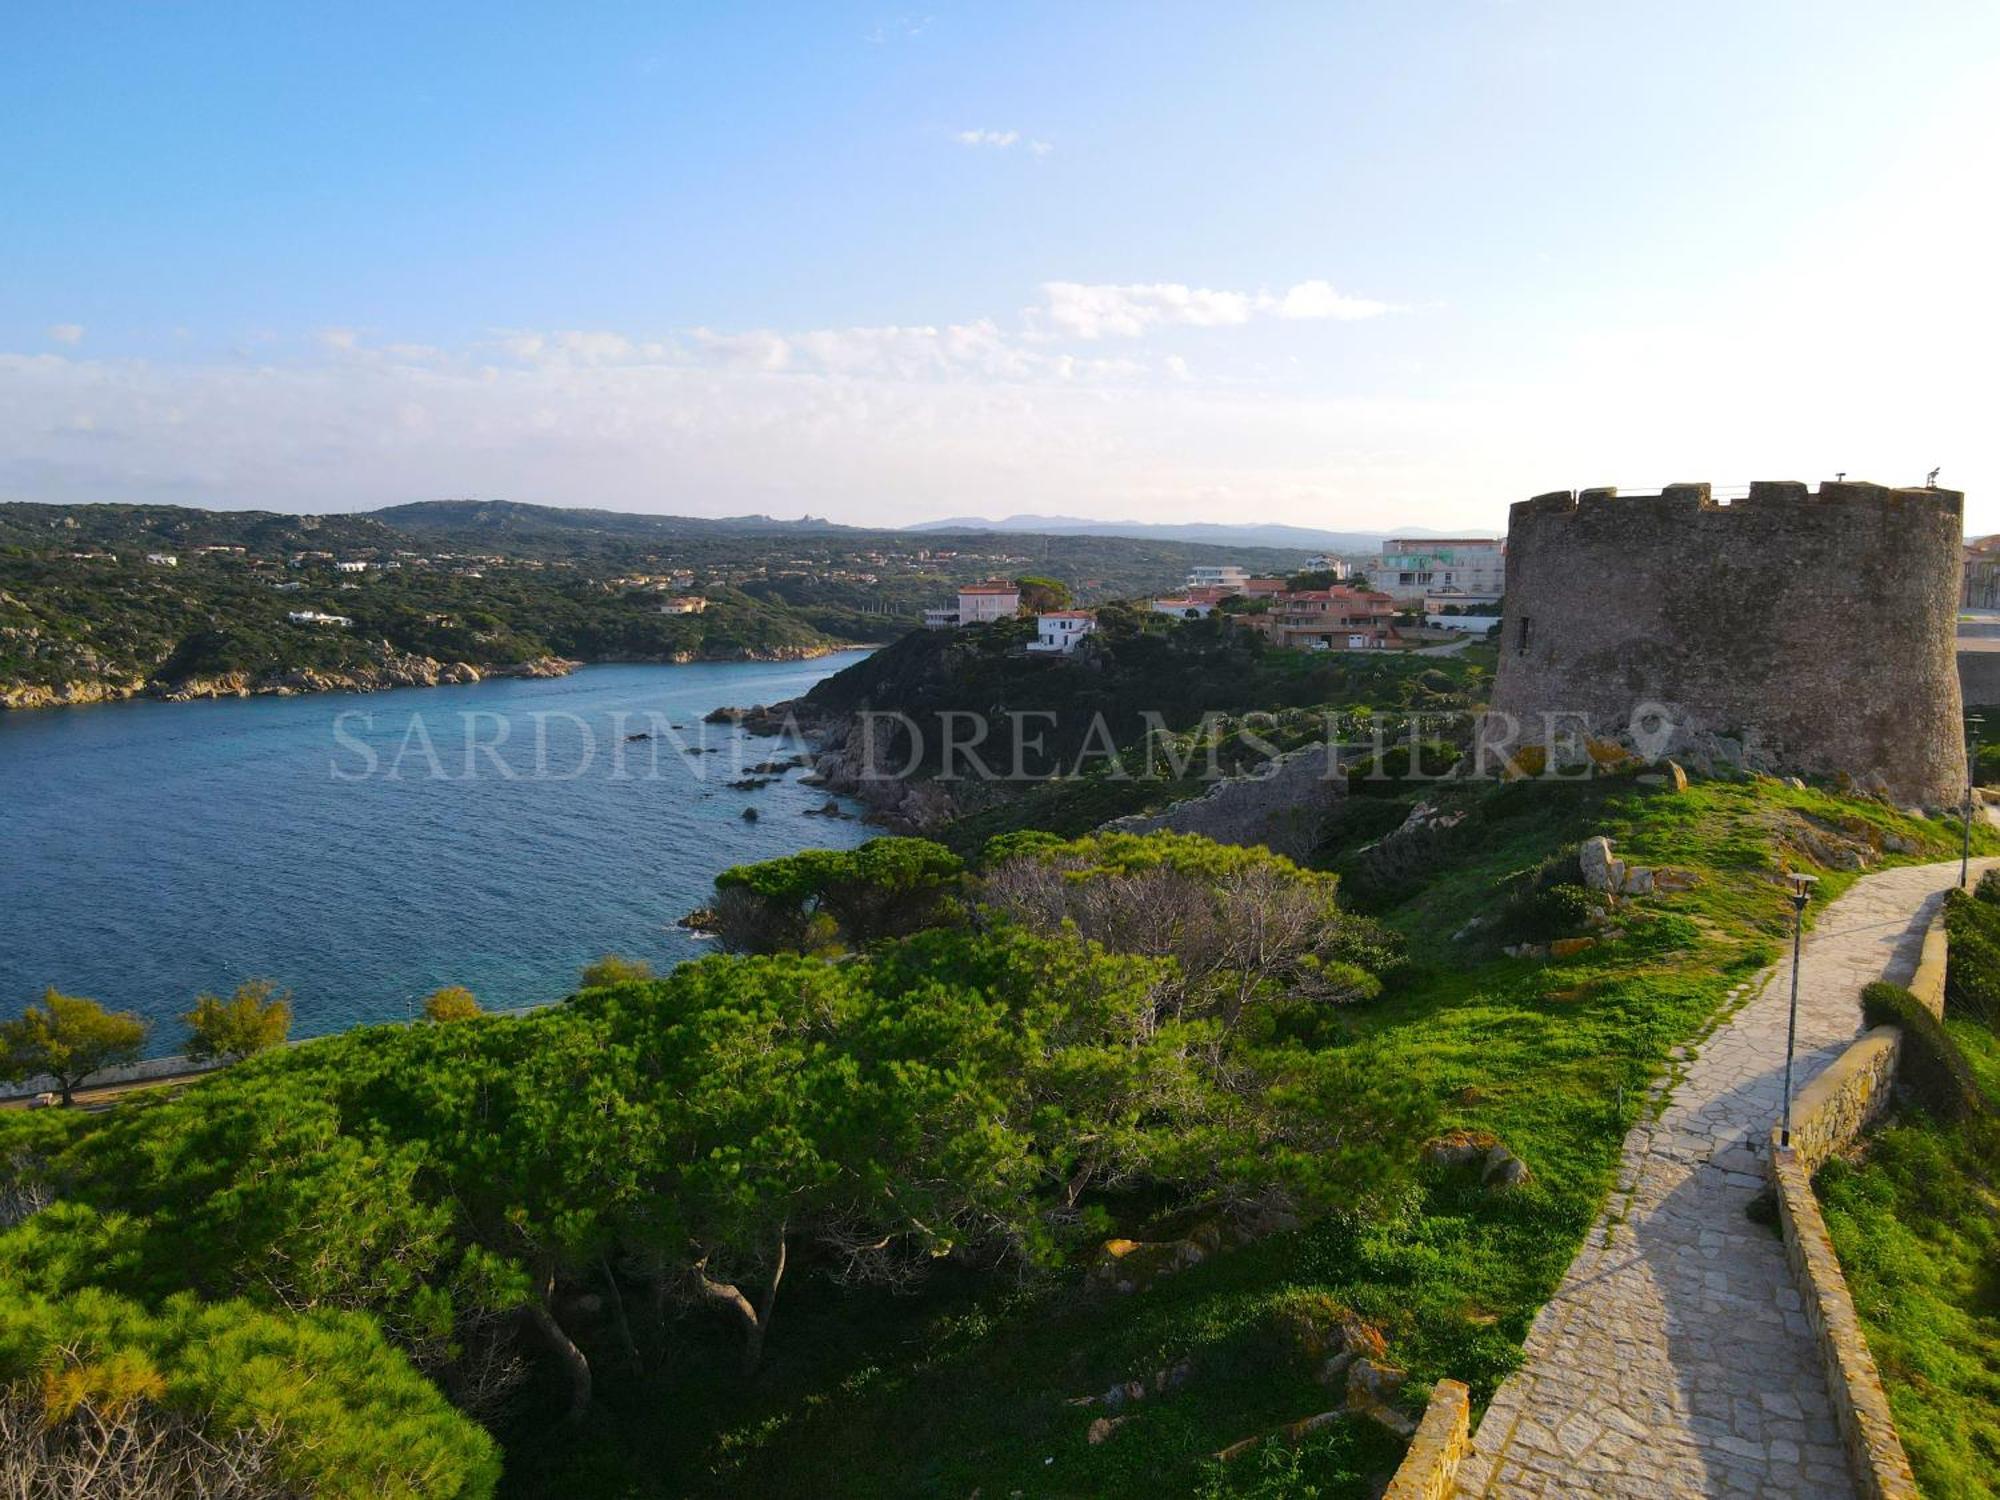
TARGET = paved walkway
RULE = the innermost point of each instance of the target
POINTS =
(1675, 1359)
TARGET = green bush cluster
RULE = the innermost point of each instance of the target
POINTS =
(349, 1416)
(820, 898)
(1972, 957)
(700, 1145)
(1932, 1067)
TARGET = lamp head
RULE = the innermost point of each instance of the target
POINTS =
(1802, 885)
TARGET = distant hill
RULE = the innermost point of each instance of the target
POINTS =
(512, 520)
(1211, 532)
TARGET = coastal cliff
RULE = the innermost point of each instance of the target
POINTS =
(393, 671)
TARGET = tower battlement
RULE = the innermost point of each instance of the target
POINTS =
(1814, 628)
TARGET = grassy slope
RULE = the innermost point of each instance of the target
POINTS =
(1917, 1226)
(946, 1394)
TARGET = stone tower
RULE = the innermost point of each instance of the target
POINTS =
(1791, 631)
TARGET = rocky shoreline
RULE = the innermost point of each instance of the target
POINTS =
(394, 672)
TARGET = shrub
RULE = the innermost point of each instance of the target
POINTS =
(254, 1019)
(1931, 1066)
(611, 969)
(452, 1003)
(1972, 958)
(1239, 922)
(320, 1398)
(887, 888)
(1988, 889)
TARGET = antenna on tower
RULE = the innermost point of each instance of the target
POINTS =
(1930, 479)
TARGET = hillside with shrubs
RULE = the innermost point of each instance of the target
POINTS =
(1079, 1166)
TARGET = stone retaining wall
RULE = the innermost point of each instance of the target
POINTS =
(1430, 1468)
(1845, 1099)
(1927, 984)
(1875, 1453)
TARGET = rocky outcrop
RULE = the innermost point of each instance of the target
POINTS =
(1284, 805)
(1605, 872)
(68, 694)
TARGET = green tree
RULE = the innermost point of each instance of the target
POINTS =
(254, 1019)
(1038, 594)
(611, 969)
(69, 1038)
(1317, 578)
(452, 1003)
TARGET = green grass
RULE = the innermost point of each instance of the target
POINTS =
(1916, 1222)
(968, 1388)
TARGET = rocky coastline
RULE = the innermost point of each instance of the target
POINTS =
(393, 671)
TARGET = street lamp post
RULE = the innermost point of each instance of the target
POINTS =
(1801, 893)
(1972, 723)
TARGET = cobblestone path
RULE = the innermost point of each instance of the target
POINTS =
(1675, 1359)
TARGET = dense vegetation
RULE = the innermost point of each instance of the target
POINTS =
(489, 584)
(1151, 714)
(824, 1213)
(1915, 1216)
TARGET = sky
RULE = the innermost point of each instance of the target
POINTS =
(1329, 264)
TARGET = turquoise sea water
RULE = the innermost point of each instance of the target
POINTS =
(150, 851)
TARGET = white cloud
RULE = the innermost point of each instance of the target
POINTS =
(340, 340)
(1041, 148)
(1318, 299)
(1087, 311)
(998, 138)
(66, 333)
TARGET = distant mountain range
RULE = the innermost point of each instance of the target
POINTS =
(1212, 532)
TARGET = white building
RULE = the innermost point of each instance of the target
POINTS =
(683, 604)
(981, 603)
(1326, 562)
(1228, 576)
(1059, 631)
(314, 617)
(163, 559)
(1184, 609)
(352, 567)
(1413, 567)
(940, 619)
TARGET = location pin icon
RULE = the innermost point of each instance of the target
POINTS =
(1652, 730)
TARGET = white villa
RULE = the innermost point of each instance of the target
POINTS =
(1228, 576)
(1060, 630)
(978, 604)
(1184, 609)
(314, 617)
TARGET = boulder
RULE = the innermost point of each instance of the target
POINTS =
(1372, 1389)
(1458, 1148)
(1103, 1427)
(1504, 1170)
(1601, 870)
(1569, 946)
(1326, 1334)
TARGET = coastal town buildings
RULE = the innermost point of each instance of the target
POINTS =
(1335, 619)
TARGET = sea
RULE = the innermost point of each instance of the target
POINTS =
(361, 851)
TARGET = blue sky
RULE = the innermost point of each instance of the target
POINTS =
(1345, 265)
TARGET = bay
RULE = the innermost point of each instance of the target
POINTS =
(361, 851)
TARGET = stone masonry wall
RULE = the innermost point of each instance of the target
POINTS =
(1806, 631)
(1847, 1098)
(1429, 1470)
